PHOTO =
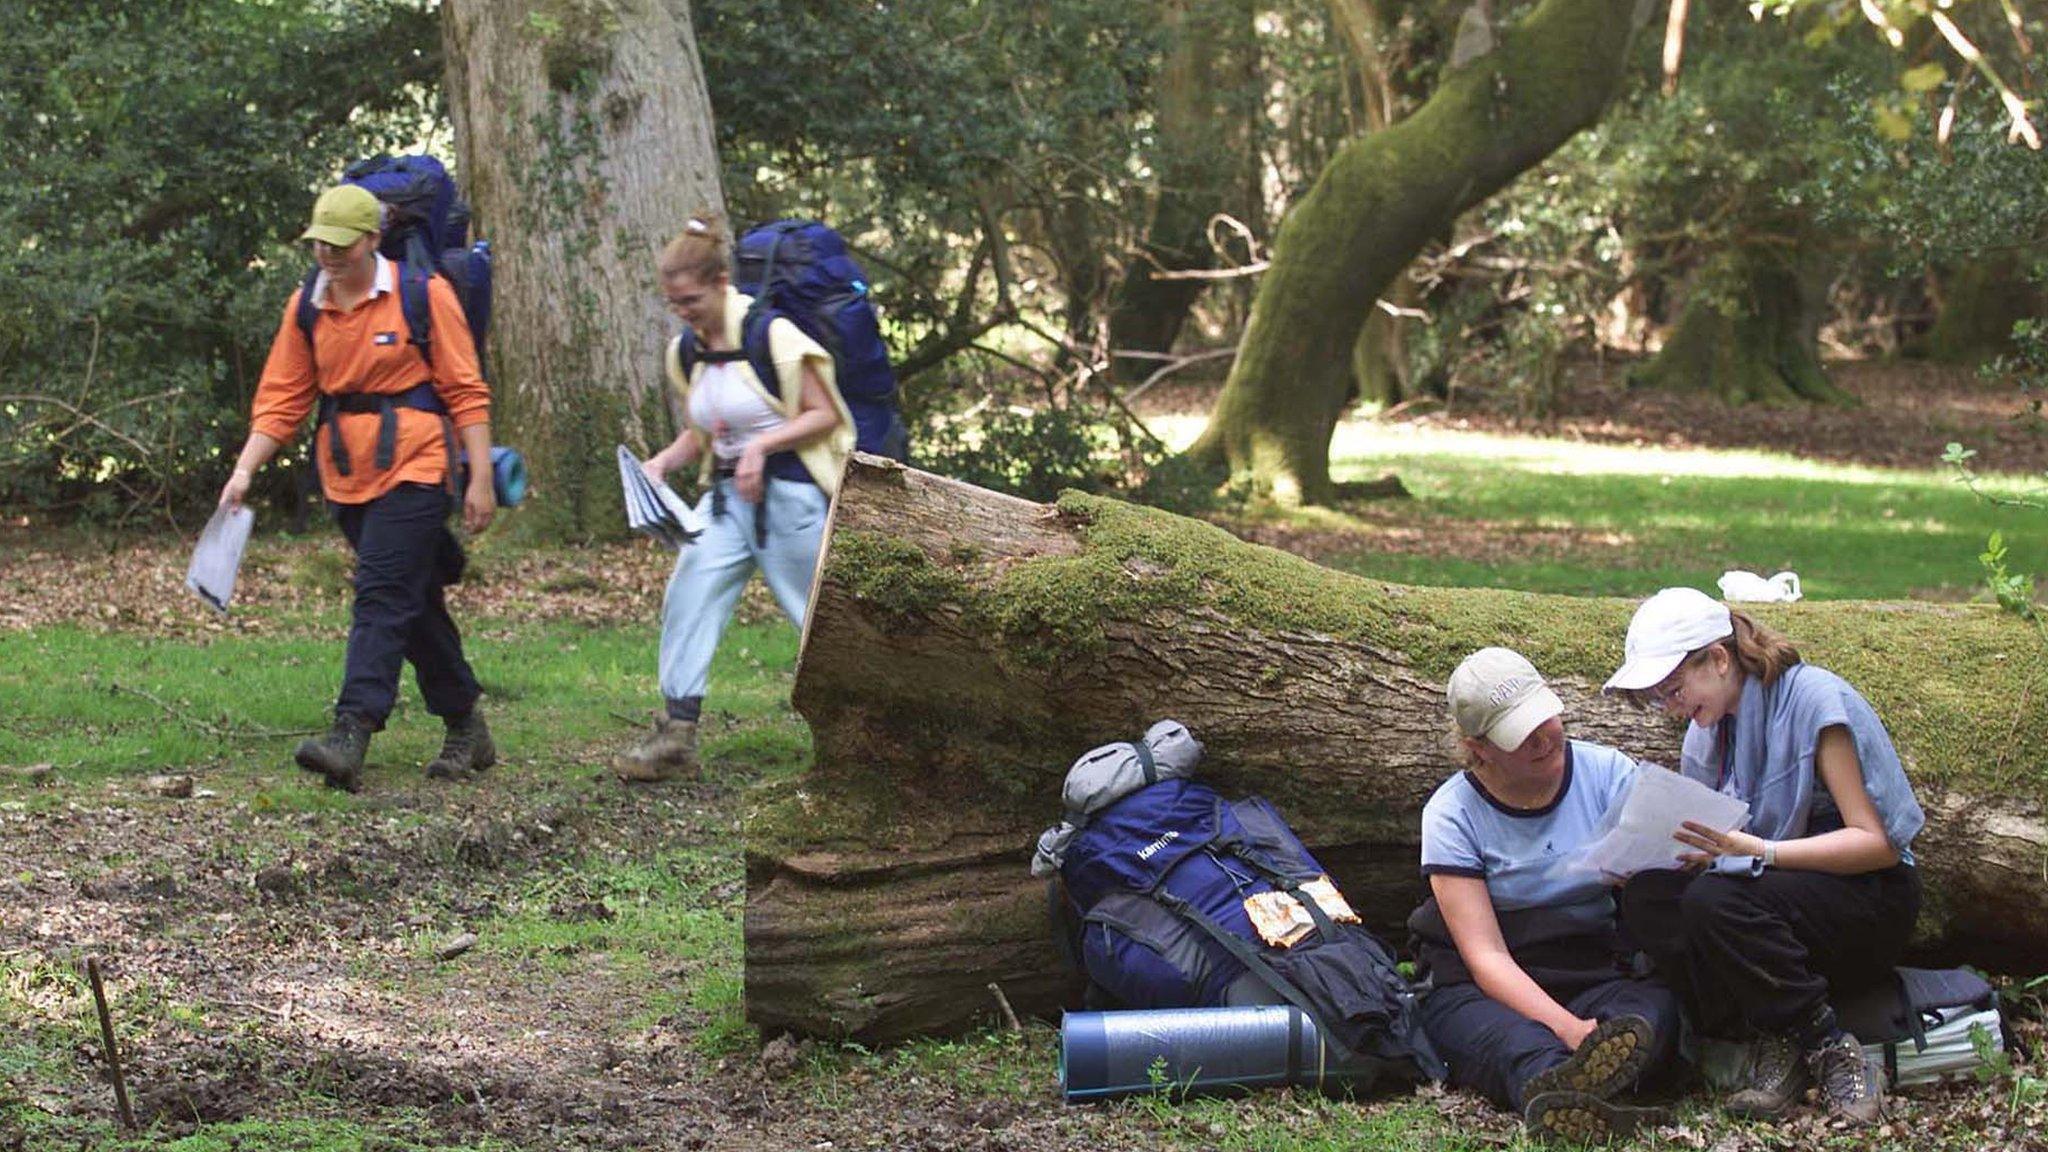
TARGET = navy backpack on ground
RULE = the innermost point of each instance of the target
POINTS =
(1163, 883)
(426, 233)
(800, 270)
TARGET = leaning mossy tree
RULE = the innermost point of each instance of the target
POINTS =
(584, 132)
(1375, 206)
(963, 647)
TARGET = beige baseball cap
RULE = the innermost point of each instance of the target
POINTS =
(1496, 693)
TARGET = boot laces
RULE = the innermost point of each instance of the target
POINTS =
(1839, 1067)
(458, 743)
(1776, 1061)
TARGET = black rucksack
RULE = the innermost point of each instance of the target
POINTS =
(1925, 1024)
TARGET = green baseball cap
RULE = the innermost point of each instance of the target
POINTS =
(342, 215)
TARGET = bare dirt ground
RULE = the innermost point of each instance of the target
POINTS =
(280, 955)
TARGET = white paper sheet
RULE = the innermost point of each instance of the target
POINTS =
(1640, 835)
(218, 558)
(654, 508)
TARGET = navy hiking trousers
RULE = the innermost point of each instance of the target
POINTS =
(405, 556)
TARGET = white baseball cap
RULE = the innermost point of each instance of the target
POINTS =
(1498, 694)
(1666, 629)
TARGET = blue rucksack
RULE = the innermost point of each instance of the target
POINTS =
(800, 270)
(426, 232)
(1158, 882)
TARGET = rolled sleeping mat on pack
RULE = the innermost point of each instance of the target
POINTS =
(1197, 1051)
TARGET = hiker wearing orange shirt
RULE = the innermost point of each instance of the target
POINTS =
(391, 405)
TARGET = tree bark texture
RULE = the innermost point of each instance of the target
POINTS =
(1749, 334)
(1976, 306)
(1372, 209)
(963, 647)
(585, 138)
(1202, 133)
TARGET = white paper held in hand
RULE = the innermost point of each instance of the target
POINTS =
(1639, 834)
(653, 508)
(218, 557)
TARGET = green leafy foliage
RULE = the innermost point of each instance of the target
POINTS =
(160, 163)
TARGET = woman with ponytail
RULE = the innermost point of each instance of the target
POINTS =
(770, 453)
(1817, 894)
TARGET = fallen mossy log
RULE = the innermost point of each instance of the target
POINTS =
(963, 647)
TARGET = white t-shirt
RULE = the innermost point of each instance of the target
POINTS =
(722, 395)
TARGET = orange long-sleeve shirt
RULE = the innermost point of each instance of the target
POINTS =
(368, 349)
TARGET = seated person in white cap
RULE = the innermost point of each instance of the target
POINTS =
(1818, 893)
(1533, 1003)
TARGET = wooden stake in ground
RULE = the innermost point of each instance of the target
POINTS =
(99, 999)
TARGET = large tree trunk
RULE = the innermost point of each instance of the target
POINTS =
(1976, 305)
(1202, 122)
(584, 133)
(1380, 357)
(1371, 211)
(1749, 334)
(963, 647)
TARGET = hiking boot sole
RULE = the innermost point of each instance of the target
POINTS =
(1583, 1118)
(1611, 1058)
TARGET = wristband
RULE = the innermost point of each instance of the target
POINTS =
(1770, 853)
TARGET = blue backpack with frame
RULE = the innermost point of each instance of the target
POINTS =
(1152, 905)
(426, 234)
(801, 271)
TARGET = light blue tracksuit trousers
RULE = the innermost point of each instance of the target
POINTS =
(710, 574)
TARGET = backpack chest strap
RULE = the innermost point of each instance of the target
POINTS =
(420, 397)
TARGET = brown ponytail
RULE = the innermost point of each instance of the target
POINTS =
(702, 250)
(1759, 651)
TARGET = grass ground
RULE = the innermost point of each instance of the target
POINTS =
(274, 949)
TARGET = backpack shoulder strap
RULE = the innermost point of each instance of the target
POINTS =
(679, 359)
(760, 357)
(307, 311)
(412, 300)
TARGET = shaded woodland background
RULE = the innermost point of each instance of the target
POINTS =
(1063, 204)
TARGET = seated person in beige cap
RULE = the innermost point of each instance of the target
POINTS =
(1817, 893)
(1532, 1000)
(389, 418)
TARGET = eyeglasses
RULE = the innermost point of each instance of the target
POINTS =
(1660, 693)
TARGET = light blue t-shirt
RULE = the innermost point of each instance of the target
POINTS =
(1523, 853)
(1776, 730)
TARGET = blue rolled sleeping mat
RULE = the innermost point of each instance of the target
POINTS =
(1199, 1051)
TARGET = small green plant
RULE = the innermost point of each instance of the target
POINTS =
(1994, 1066)
(2014, 591)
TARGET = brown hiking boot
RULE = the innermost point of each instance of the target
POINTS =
(466, 750)
(1611, 1057)
(1777, 1079)
(667, 753)
(1583, 1118)
(338, 756)
(1849, 1086)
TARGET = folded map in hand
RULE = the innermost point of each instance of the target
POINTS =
(652, 507)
